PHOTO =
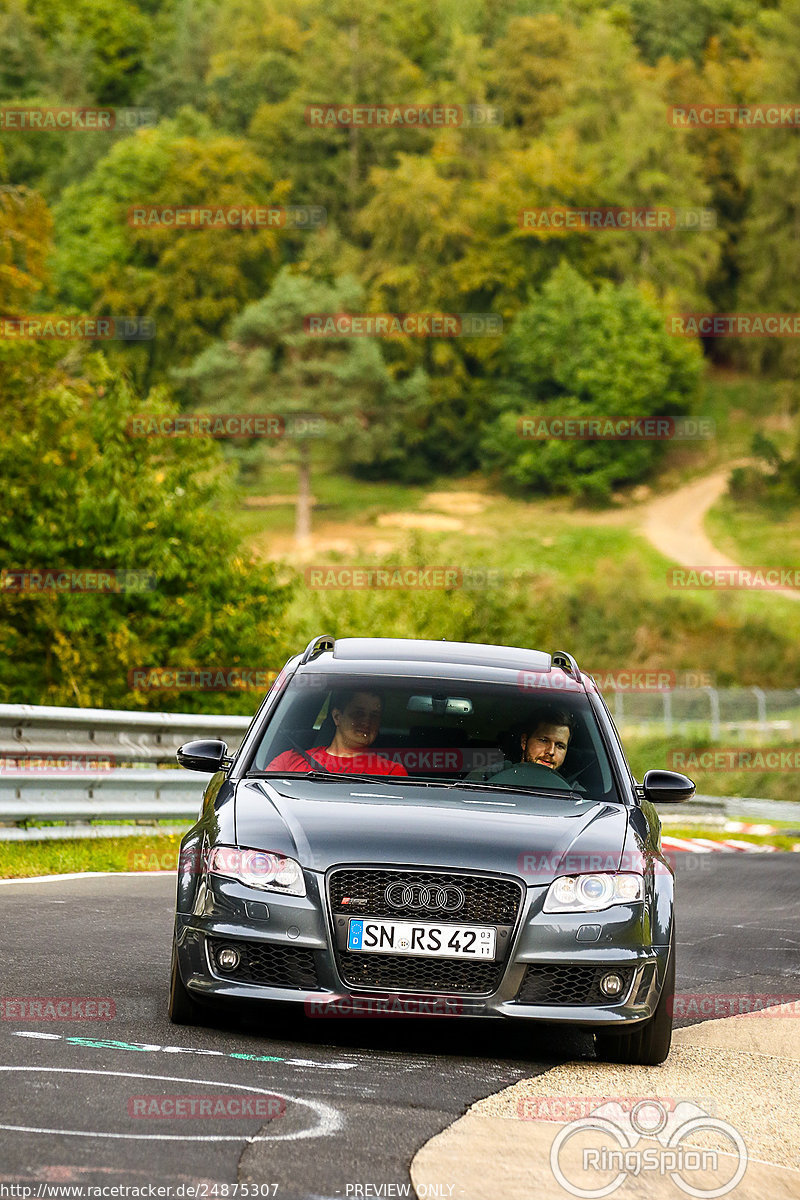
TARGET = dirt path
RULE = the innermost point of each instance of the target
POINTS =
(674, 525)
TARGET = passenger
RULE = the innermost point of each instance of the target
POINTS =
(357, 717)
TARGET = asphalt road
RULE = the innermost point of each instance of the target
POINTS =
(360, 1097)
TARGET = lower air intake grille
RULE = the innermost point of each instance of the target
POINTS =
(264, 962)
(400, 972)
(570, 984)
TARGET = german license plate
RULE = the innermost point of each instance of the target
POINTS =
(421, 938)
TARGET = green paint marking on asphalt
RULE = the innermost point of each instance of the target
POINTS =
(109, 1044)
(258, 1057)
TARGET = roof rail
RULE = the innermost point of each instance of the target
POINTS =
(561, 659)
(323, 641)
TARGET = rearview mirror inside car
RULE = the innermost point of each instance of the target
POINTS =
(440, 705)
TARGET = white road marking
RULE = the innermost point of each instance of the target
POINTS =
(154, 1047)
(329, 1120)
(87, 875)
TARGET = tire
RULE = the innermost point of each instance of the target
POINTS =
(648, 1044)
(183, 1010)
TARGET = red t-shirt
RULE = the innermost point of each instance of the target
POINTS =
(370, 763)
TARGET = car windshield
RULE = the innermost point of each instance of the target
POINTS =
(438, 732)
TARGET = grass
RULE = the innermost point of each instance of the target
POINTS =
(19, 860)
(153, 853)
(649, 753)
(756, 535)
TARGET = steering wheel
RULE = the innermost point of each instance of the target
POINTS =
(531, 775)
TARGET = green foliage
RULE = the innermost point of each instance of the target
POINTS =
(269, 363)
(577, 352)
(80, 493)
(772, 172)
(189, 281)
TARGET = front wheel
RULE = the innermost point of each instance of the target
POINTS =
(648, 1044)
(183, 1010)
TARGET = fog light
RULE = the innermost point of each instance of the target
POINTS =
(228, 959)
(611, 984)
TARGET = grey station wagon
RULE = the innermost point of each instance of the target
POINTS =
(440, 828)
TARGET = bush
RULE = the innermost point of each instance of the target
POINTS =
(577, 352)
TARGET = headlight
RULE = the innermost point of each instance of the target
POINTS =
(259, 869)
(589, 893)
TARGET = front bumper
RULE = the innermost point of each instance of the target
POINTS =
(293, 935)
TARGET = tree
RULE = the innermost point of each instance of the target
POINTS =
(579, 352)
(189, 281)
(25, 232)
(769, 255)
(269, 363)
(80, 493)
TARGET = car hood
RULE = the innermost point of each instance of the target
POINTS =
(325, 824)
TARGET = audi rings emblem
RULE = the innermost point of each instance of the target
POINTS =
(425, 896)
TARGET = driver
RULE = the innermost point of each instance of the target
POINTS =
(357, 718)
(546, 741)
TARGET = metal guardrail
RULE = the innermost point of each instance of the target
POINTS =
(147, 793)
(128, 793)
(30, 729)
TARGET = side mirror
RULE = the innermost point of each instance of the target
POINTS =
(208, 754)
(667, 787)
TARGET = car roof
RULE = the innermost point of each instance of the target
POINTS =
(419, 656)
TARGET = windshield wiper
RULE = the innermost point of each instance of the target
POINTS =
(487, 785)
(324, 776)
